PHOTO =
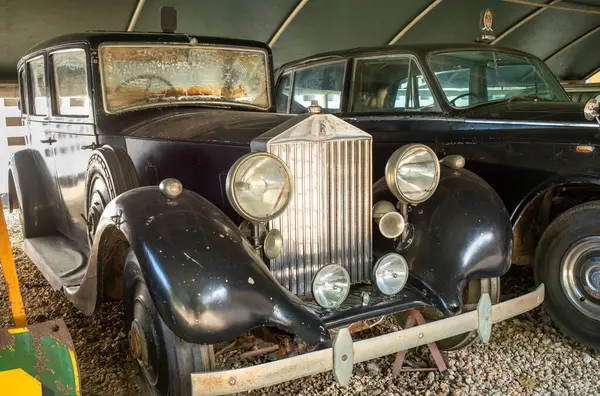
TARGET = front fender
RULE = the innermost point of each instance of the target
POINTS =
(205, 279)
(462, 232)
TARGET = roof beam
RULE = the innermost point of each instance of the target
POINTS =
(286, 22)
(572, 43)
(586, 10)
(136, 15)
(523, 21)
(416, 19)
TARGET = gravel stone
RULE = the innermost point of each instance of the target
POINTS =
(525, 356)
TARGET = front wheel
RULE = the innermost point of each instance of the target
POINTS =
(164, 360)
(567, 261)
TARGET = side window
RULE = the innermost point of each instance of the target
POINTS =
(282, 94)
(37, 79)
(69, 73)
(23, 92)
(390, 84)
(322, 83)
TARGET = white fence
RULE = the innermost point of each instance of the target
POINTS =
(13, 136)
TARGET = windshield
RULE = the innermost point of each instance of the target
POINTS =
(470, 78)
(152, 75)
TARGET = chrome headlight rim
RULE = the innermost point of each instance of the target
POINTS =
(382, 261)
(344, 295)
(231, 177)
(392, 166)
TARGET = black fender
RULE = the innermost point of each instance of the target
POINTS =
(206, 280)
(27, 185)
(462, 232)
(589, 176)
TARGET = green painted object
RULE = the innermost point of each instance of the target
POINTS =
(44, 351)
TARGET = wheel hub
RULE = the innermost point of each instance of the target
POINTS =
(592, 277)
(137, 342)
(580, 276)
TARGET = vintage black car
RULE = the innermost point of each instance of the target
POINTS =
(509, 117)
(160, 174)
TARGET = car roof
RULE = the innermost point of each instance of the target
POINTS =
(421, 49)
(95, 38)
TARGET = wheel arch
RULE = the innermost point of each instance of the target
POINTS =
(543, 204)
(187, 249)
(27, 192)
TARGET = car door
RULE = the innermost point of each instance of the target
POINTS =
(72, 125)
(389, 97)
(42, 137)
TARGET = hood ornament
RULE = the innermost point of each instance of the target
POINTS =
(486, 20)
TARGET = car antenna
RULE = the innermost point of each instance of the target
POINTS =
(486, 33)
(168, 19)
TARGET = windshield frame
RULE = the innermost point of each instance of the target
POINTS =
(210, 103)
(557, 86)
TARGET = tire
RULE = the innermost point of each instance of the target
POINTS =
(471, 295)
(555, 258)
(169, 359)
(110, 173)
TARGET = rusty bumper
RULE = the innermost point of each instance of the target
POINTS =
(263, 375)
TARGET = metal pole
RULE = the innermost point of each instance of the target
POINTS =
(286, 22)
(414, 21)
(572, 43)
(523, 21)
(136, 15)
(556, 7)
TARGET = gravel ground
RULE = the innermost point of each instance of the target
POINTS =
(527, 355)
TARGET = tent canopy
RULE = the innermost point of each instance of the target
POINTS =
(561, 32)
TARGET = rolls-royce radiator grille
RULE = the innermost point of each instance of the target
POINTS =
(329, 218)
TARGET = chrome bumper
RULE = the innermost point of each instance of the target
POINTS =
(263, 375)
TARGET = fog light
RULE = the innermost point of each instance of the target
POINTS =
(391, 223)
(391, 273)
(331, 286)
(171, 188)
(273, 244)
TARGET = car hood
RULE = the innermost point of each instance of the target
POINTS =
(528, 111)
(204, 125)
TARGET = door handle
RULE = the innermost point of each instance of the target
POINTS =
(92, 146)
(49, 141)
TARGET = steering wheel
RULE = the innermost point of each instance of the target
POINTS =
(453, 101)
(148, 77)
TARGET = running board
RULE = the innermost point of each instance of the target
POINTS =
(58, 260)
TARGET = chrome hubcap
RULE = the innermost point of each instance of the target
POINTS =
(580, 278)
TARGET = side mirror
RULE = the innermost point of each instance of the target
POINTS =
(591, 110)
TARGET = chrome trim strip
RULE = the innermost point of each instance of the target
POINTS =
(528, 123)
(272, 373)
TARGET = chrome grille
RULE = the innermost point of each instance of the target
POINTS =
(329, 218)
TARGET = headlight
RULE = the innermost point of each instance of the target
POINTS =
(412, 173)
(259, 186)
(391, 273)
(331, 286)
